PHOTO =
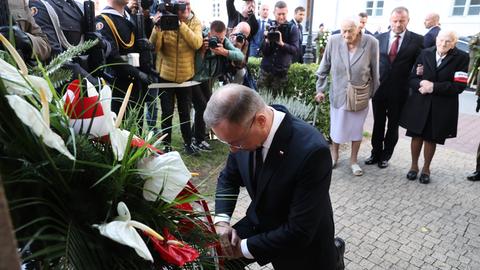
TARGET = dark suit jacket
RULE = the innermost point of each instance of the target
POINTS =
(289, 221)
(430, 37)
(299, 57)
(394, 76)
(442, 103)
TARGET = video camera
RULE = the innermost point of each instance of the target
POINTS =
(169, 10)
(273, 35)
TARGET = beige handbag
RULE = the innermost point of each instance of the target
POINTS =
(357, 96)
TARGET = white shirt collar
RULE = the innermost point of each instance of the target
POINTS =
(392, 35)
(277, 120)
(110, 10)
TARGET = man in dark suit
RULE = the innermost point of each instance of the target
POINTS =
(298, 17)
(259, 37)
(286, 167)
(432, 24)
(399, 49)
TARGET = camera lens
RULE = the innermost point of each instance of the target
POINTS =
(240, 38)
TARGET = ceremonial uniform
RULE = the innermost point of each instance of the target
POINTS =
(63, 23)
(119, 31)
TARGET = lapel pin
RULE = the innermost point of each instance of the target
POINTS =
(280, 152)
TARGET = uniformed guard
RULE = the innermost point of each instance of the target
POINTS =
(29, 38)
(118, 27)
(65, 24)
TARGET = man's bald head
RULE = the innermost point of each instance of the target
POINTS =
(431, 20)
(242, 27)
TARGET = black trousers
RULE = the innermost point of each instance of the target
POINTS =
(386, 114)
(200, 96)
(184, 99)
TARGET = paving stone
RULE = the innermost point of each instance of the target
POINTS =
(389, 222)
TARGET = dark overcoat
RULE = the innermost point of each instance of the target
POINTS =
(449, 80)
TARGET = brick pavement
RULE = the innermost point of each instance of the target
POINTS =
(389, 222)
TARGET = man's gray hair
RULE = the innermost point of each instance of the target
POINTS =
(234, 103)
(400, 10)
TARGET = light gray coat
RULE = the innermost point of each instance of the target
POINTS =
(363, 67)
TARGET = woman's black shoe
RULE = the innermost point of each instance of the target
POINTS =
(412, 175)
(424, 178)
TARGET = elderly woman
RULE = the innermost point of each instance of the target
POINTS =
(349, 57)
(430, 114)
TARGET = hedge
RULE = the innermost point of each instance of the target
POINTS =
(301, 85)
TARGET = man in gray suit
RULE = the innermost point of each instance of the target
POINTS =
(399, 48)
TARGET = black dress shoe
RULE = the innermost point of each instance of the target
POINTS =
(475, 176)
(382, 164)
(371, 160)
(424, 178)
(340, 246)
(412, 175)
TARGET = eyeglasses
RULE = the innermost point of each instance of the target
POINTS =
(238, 145)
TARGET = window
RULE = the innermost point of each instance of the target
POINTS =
(216, 9)
(466, 8)
(375, 8)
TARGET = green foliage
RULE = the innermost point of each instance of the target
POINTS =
(301, 86)
(54, 200)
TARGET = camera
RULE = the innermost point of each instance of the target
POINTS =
(272, 34)
(239, 37)
(213, 42)
(169, 10)
(146, 4)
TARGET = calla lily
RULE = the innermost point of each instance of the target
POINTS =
(16, 84)
(123, 230)
(32, 118)
(166, 175)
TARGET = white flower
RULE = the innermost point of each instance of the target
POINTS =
(31, 117)
(16, 84)
(119, 142)
(166, 176)
(123, 231)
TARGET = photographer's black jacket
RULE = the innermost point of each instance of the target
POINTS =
(277, 59)
(235, 17)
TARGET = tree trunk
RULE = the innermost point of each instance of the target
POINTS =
(8, 252)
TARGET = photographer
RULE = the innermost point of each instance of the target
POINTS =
(175, 49)
(247, 15)
(237, 70)
(211, 61)
(279, 48)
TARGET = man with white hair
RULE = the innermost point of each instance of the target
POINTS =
(432, 24)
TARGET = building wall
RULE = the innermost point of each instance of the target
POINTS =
(332, 12)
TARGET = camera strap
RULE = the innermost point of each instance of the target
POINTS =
(116, 35)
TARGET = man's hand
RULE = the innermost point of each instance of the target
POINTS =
(229, 240)
(419, 70)
(132, 5)
(220, 50)
(320, 97)
(280, 39)
(426, 87)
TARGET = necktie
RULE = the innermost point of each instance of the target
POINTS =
(262, 27)
(439, 61)
(394, 49)
(258, 167)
